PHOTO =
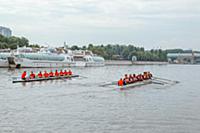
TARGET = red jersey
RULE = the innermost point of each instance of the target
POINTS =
(39, 75)
(23, 75)
(56, 74)
(65, 73)
(32, 75)
(70, 72)
(46, 75)
(61, 73)
(51, 74)
(120, 82)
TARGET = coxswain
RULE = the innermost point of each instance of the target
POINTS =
(23, 76)
(32, 75)
(51, 74)
(120, 82)
(61, 73)
(56, 73)
(70, 72)
(39, 74)
(46, 75)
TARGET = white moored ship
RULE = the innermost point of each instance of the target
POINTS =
(4, 59)
(86, 58)
(44, 58)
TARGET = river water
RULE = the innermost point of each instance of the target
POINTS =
(81, 105)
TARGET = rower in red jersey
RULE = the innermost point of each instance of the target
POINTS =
(23, 76)
(32, 75)
(51, 74)
(130, 78)
(56, 73)
(135, 78)
(126, 79)
(61, 73)
(65, 73)
(70, 72)
(46, 75)
(39, 74)
(139, 77)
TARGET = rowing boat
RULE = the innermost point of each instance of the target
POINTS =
(141, 83)
(19, 80)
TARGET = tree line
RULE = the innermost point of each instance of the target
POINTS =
(13, 42)
(124, 52)
(109, 52)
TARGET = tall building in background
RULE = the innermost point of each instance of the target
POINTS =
(5, 31)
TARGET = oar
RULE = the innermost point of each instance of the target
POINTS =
(82, 76)
(107, 84)
(159, 83)
(166, 79)
(15, 78)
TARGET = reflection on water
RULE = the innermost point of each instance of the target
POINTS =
(81, 105)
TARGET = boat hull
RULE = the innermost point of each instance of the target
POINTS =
(19, 80)
(129, 86)
(26, 63)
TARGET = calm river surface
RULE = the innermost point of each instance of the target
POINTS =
(81, 106)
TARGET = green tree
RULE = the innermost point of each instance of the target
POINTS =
(74, 47)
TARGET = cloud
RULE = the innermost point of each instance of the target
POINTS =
(85, 20)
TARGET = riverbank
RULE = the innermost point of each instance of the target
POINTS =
(125, 62)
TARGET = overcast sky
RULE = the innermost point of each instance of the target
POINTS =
(147, 23)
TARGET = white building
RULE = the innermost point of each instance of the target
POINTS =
(5, 31)
(184, 58)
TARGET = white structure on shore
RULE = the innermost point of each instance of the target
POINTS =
(184, 58)
(4, 59)
(41, 59)
(85, 58)
(5, 31)
(49, 57)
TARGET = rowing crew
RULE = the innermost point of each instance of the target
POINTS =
(46, 74)
(134, 78)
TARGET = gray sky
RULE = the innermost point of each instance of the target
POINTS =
(147, 23)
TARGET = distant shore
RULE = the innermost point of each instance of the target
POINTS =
(125, 62)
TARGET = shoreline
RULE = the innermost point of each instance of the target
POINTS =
(127, 63)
